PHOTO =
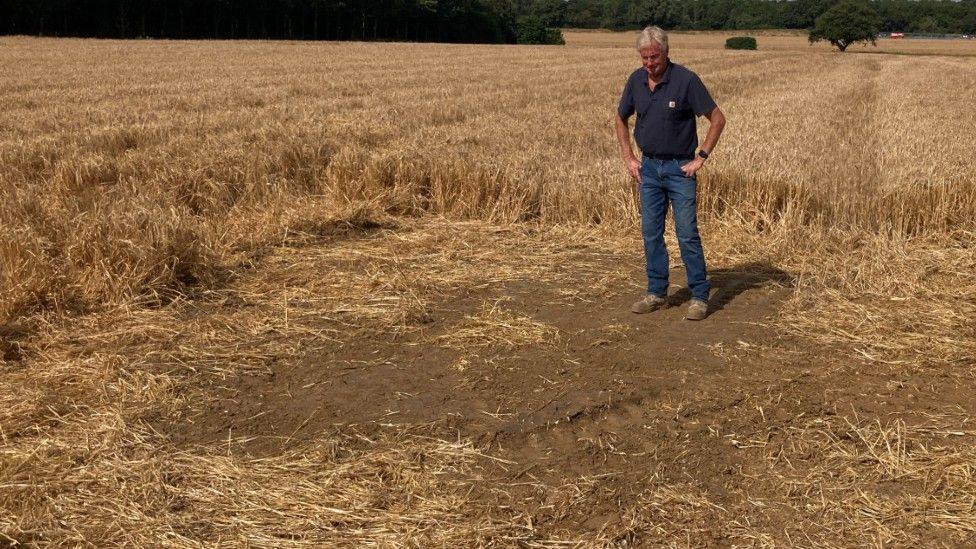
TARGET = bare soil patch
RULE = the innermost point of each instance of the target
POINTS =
(596, 355)
(583, 409)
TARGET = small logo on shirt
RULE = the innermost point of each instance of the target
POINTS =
(671, 104)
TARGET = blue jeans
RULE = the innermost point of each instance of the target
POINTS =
(663, 181)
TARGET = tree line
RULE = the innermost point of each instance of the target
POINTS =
(921, 16)
(476, 21)
(405, 20)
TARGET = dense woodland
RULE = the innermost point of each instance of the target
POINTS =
(441, 20)
(921, 16)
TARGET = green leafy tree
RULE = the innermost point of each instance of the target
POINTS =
(805, 12)
(847, 23)
(968, 22)
(663, 13)
(532, 30)
(926, 24)
(552, 12)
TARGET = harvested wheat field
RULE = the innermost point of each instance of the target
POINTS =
(303, 294)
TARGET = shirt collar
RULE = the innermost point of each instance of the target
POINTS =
(667, 73)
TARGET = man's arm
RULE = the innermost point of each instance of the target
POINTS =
(716, 123)
(626, 152)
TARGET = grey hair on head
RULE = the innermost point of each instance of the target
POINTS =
(652, 34)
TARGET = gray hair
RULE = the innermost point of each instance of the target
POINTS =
(652, 34)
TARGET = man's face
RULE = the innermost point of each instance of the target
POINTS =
(655, 60)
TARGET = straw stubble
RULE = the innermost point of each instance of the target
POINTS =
(178, 211)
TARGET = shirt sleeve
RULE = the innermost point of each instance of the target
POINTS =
(701, 101)
(626, 106)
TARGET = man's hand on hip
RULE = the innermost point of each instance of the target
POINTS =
(691, 168)
(633, 167)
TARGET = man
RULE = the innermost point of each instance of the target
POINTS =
(666, 98)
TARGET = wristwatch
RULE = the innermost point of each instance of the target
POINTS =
(703, 153)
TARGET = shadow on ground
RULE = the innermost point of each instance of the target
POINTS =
(730, 282)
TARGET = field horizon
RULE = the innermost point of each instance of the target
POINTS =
(295, 294)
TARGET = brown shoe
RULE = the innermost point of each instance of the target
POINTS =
(648, 304)
(697, 310)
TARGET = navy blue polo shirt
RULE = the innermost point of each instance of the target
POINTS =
(666, 116)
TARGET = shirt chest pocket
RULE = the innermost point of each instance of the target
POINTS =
(676, 110)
